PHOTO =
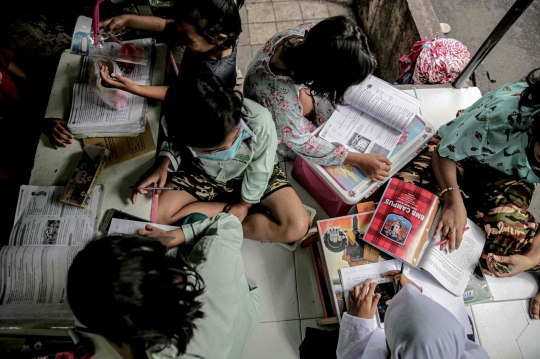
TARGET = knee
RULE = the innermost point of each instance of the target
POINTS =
(295, 227)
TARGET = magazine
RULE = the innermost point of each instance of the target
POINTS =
(403, 226)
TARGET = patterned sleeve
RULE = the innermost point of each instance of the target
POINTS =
(465, 136)
(295, 132)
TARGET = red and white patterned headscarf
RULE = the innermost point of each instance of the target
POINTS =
(440, 62)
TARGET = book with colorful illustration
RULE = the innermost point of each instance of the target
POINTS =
(403, 226)
(343, 247)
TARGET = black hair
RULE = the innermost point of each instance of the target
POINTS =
(530, 97)
(201, 111)
(333, 56)
(127, 290)
(211, 18)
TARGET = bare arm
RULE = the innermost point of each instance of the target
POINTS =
(123, 83)
(144, 23)
(454, 215)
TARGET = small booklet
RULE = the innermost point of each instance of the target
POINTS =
(373, 120)
(354, 276)
(403, 226)
(46, 236)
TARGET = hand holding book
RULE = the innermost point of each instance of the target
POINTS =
(375, 167)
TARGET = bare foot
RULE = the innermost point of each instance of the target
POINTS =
(534, 307)
(169, 239)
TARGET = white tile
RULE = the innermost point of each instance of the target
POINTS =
(271, 268)
(521, 286)
(498, 326)
(528, 340)
(274, 340)
(304, 195)
(312, 323)
(309, 302)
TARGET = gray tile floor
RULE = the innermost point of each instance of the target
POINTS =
(262, 19)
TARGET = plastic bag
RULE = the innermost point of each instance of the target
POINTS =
(117, 99)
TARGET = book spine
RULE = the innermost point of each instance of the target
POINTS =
(432, 214)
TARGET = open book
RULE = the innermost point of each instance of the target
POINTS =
(46, 236)
(373, 120)
(353, 276)
(91, 117)
(403, 226)
(378, 119)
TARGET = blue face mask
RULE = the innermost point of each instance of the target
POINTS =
(226, 155)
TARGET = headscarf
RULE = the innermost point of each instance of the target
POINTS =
(440, 62)
(417, 327)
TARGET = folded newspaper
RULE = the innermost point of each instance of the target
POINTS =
(90, 116)
(46, 236)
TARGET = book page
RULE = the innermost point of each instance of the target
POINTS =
(124, 226)
(35, 274)
(41, 219)
(384, 102)
(431, 288)
(88, 110)
(453, 270)
(360, 132)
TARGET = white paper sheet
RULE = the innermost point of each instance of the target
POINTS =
(433, 289)
(124, 226)
(384, 102)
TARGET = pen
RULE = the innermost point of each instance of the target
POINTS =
(159, 188)
(400, 272)
(446, 239)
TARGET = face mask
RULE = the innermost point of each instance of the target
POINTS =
(226, 155)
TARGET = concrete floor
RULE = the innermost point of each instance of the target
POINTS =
(473, 20)
(515, 55)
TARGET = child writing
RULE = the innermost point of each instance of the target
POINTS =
(224, 159)
(209, 29)
(300, 75)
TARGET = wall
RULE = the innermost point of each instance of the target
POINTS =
(393, 26)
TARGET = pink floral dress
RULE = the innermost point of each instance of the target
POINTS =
(281, 96)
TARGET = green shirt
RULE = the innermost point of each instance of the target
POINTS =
(493, 131)
(231, 310)
(254, 162)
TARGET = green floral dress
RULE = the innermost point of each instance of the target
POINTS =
(487, 142)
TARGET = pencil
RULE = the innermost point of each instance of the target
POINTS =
(159, 188)
(400, 272)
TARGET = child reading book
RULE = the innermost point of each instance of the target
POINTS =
(150, 305)
(300, 75)
(224, 159)
(208, 28)
(416, 327)
(491, 152)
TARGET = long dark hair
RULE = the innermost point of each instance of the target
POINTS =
(128, 290)
(333, 56)
(211, 18)
(202, 111)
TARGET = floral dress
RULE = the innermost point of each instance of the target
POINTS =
(282, 97)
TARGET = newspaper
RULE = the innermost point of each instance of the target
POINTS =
(46, 236)
(374, 118)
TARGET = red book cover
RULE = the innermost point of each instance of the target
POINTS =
(402, 221)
